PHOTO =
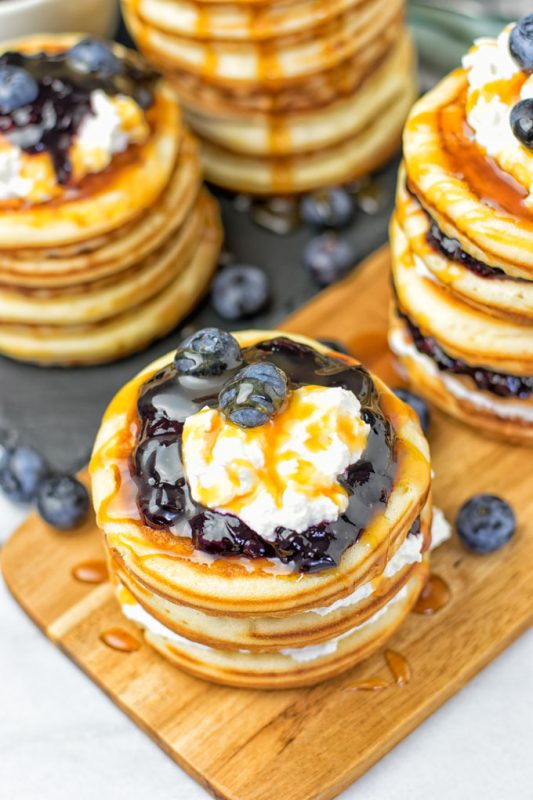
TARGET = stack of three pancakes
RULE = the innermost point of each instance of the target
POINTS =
(286, 96)
(96, 268)
(258, 622)
(462, 238)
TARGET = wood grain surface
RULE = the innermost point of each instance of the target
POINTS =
(306, 744)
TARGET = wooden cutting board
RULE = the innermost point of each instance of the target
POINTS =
(306, 744)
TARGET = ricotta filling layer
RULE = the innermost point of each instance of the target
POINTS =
(402, 346)
(495, 84)
(281, 474)
(410, 552)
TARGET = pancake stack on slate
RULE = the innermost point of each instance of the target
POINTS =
(462, 244)
(286, 608)
(97, 260)
(286, 96)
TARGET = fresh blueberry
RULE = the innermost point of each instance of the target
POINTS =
(485, 523)
(418, 404)
(239, 291)
(8, 442)
(329, 257)
(327, 208)
(521, 43)
(254, 395)
(63, 501)
(17, 88)
(333, 344)
(94, 55)
(522, 122)
(209, 351)
(22, 474)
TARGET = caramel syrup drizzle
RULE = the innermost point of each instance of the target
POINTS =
(433, 597)
(121, 640)
(90, 572)
(399, 667)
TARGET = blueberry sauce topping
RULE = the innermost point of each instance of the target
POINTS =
(499, 383)
(44, 98)
(163, 497)
(452, 249)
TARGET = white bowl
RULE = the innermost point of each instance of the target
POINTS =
(23, 17)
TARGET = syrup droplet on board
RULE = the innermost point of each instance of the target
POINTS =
(90, 572)
(368, 685)
(434, 596)
(118, 639)
(399, 667)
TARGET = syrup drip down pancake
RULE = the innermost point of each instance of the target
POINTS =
(462, 241)
(106, 237)
(286, 97)
(266, 508)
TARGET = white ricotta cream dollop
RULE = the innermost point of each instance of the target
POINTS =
(114, 124)
(12, 184)
(282, 474)
(495, 84)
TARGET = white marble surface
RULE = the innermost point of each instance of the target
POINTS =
(61, 738)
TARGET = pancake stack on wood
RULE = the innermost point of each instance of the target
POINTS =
(286, 96)
(107, 239)
(462, 246)
(290, 606)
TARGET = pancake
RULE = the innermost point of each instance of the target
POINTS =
(257, 622)
(507, 419)
(498, 232)
(293, 667)
(269, 634)
(286, 97)
(127, 332)
(291, 134)
(463, 332)
(497, 295)
(234, 21)
(347, 160)
(106, 256)
(286, 58)
(462, 242)
(205, 586)
(94, 302)
(309, 94)
(125, 241)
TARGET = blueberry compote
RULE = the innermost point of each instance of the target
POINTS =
(167, 399)
(499, 383)
(50, 122)
(451, 248)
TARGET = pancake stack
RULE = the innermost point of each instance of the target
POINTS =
(286, 96)
(462, 246)
(210, 593)
(107, 239)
